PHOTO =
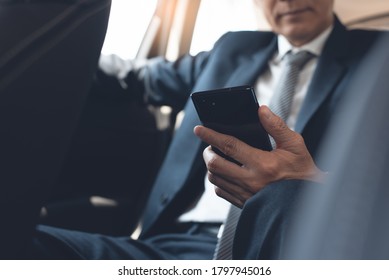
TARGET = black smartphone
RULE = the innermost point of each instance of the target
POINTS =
(232, 111)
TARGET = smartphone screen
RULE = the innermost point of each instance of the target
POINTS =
(232, 111)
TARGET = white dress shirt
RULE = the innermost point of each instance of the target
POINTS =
(211, 208)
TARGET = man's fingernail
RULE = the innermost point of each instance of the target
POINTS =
(197, 129)
(266, 111)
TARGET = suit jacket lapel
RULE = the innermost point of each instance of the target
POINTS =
(252, 66)
(329, 72)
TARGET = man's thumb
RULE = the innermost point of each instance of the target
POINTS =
(275, 126)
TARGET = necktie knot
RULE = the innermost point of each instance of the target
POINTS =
(298, 59)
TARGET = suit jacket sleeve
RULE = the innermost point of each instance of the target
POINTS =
(170, 83)
(270, 214)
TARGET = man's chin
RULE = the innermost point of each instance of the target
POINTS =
(298, 35)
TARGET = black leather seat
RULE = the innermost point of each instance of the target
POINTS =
(48, 56)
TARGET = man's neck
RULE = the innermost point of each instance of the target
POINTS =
(314, 46)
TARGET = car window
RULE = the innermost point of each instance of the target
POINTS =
(216, 17)
(127, 25)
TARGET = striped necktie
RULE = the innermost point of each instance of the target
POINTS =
(223, 249)
(282, 99)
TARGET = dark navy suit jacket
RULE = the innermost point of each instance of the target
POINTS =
(239, 58)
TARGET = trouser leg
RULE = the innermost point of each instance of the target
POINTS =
(55, 243)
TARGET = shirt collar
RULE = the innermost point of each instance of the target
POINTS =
(315, 46)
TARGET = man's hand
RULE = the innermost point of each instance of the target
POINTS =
(289, 160)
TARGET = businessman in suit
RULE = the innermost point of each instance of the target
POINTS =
(174, 224)
(268, 207)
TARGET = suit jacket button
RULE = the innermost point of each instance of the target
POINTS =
(164, 198)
